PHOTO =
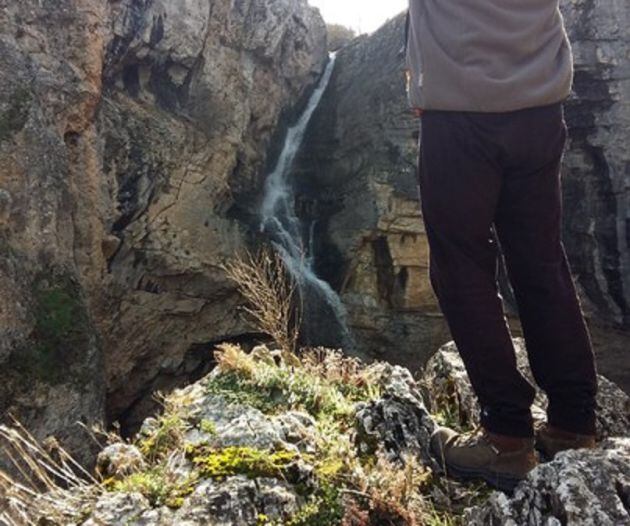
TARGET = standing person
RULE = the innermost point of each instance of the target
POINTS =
(488, 79)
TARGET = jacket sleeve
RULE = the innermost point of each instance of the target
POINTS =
(413, 66)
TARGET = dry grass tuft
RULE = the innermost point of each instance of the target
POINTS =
(270, 292)
(49, 483)
(333, 366)
(231, 358)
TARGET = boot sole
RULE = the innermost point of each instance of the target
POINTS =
(498, 481)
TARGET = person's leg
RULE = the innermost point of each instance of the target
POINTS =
(460, 183)
(529, 224)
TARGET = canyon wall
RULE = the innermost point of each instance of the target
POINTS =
(133, 141)
(357, 180)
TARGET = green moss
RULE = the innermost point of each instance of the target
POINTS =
(254, 463)
(14, 118)
(61, 335)
(56, 312)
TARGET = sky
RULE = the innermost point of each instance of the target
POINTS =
(364, 16)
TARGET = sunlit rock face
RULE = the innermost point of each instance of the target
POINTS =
(128, 132)
(597, 163)
(596, 177)
(358, 182)
(193, 98)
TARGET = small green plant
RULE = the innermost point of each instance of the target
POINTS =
(236, 390)
(445, 407)
(324, 508)
(273, 387)
(167, 436)
(157, 484)
(208, 427)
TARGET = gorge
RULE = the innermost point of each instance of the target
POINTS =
(134, 145)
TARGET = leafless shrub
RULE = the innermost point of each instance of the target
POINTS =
(271, 295)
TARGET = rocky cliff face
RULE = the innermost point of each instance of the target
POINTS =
(597, 164)
(128, 131)
(358, 180)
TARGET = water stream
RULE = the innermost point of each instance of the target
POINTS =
(324, 316)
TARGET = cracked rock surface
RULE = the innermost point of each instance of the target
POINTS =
(577, 488)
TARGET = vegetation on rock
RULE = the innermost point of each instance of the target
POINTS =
(334, 480)
(61, 330)
(14, 117)
(265, 415)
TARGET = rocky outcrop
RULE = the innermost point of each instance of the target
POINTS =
(358, 181)
(129, 131)
(323, 439)
(446, 379)
(578, 487)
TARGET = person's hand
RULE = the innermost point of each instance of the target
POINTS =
(417, 112)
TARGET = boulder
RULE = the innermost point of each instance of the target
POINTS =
(397, 421)
(238, 501)
(119, 459)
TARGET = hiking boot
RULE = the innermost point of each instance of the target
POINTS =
(502, 461)
(551, 440)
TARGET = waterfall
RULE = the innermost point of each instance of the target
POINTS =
(322, 309)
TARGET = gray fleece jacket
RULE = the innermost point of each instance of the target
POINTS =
(487, 55)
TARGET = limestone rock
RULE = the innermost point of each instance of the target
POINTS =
(113, 509)
(597, 159)
(447, 380)
(298, 429)
(237, 501)
(577, 488)
(397, 421)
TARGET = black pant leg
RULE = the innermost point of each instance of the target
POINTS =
(529, 226)
(460, 181)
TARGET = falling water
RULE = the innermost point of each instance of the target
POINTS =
(280, 223)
